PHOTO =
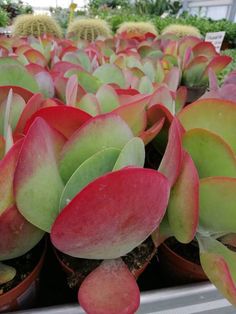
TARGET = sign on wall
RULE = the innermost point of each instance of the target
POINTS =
(216, 39)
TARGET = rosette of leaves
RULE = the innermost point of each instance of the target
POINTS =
(88, 29)
(36, 25)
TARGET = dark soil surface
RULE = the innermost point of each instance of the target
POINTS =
(23, 265)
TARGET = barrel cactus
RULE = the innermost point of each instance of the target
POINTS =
(137, 28)
(181, 30)
(88, 29)
(36, 25)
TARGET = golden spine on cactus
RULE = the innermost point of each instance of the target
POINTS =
(181, 30)
(88, 29)
(137, 28)
(36, 25)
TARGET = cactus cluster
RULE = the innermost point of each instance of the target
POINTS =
(181, 30)
(137, 28)
(88, 29)
(36, 25)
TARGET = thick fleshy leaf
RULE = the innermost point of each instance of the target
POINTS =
(109, 73)
(132, 154)
(145, 85)
(92, 168)
(183, 207)
(180, 99)
(210, 153)
(187, 42)
(7, 169)
(45, 84)
(15, 74)
(2, 147)
(134, 114)
(172, 79)
(217, 64)
(71, 90)
(24, 93)
(215, 115)
(34, 103)
(112, 215)
(148, 135)
(7, 273)
(163, 96)
(107, 98)
(89, 82)
(119, 293)
(193, 73)
(219, 264)
(217, 204)
(112, 131)
(18, 236)
(205, 49)
(89, 104)
(38, 190)
(65, 119)
(172, 160)
(34, 56)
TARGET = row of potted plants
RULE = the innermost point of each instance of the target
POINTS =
(99, 150)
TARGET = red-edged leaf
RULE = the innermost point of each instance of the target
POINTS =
(2, 147)
(34, 56)
(86, 228)
(162, 96)
(172, 79)
(204, 49)
(71, 90)
(63, 67)
(218, 262)
(217, 64)
(89, 104)
(183, 207)
(119, 293)
(7, 169)
(180, 99)
(65, 119)
(41, 181)
(172, 160)
(148, 135)
(113, 132)
(34, 103)
(187, 42)
(24, 93)
(18, 236)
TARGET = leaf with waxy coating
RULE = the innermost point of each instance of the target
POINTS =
(172, 160)
(18, 236)
(112, 215)
(89, 104)
(219, 264)
(110, 73)
(210, 153)
(107, 98)
(217, 204)
(183, 207)
(85, 142)
(92, 168)
(118, 285)
(38, 190)
(132, 154)
(215, 115)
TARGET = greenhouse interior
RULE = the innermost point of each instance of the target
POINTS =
(117, 156)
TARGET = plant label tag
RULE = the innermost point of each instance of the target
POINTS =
(216, 39)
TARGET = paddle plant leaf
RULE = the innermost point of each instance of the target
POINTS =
(118, 284)
(215, 115)
(132, 154)
(85, 142)
(193, 73)
(110, 73)
(89, 104)
(71, 90)
(41, 181)
(210, 153)
(112, 215)
(16, 75)
(145, 85)
(180, 99)
(7, 169)
(18, 236)
(7, 273)
(217, 204)
(172, 160)
(183, 207)
(172, 79)
(107, 98)
(88, 82)
(92, 168)
(65, 119)
(219, 264)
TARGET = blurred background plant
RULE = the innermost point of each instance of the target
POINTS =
(4, 19)
(15, 8)
(157, 7)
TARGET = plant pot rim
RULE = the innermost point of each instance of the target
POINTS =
(15, 292)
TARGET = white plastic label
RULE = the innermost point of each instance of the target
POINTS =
(216, 39)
